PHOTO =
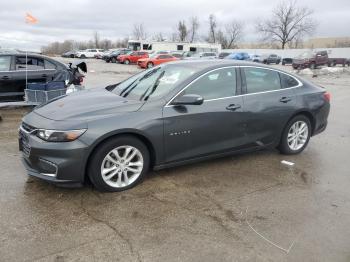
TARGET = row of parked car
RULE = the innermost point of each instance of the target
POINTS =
(146, 59)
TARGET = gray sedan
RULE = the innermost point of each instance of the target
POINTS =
(173, 114)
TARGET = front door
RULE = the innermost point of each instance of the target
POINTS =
(215, 126)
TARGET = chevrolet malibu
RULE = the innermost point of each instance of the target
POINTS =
(172, 114)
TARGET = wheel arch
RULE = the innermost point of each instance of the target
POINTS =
(309, 115)
(134, 133)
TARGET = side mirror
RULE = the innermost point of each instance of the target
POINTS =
(188, 100)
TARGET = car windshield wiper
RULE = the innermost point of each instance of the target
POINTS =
(154, 87)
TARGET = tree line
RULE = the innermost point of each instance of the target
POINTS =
(286, 26)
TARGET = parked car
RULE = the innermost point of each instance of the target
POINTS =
(169, 115)
(179, 55)
(238, 56)
(255, 58)
(113, 56)
(222, 55)
(88, 53)
(287, 61)
(310, 59)
(132, 57)
(338, 61)
(271, 59)
(70, 54)
(201, 55)
(15, 67)
(155, 60)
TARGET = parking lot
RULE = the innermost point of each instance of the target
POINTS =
(246, 207)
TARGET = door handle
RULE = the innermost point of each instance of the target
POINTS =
(5, 78)
(285, 99)
(233, 107)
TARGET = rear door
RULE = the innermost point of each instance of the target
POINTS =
(268, 103)
(9, 90)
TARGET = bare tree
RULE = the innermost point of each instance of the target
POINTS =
(194, 25)
(212, 29)
(234, 31)
(159, 37)
(139, 32)
(96, 39)
(288, 22)
(182, 31)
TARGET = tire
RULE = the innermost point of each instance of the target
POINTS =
(312, 66)
(150, 65)
(287, 147)
(283, 63)
(113, 60)
(126, 62)
(100, 161)
(71, 56)
(278, 62)
(83, 56)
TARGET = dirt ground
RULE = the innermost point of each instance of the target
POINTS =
(241, 208)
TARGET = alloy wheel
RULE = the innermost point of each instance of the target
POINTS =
(297, 135)
(122, 166)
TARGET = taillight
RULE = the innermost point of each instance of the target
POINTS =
(327, 96)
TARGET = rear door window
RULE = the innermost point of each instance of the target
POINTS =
(5, 63)
(29, 63)
(261, 80)
(288, 81)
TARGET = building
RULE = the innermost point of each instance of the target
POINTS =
(145, 45)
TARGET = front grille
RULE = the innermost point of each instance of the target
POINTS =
(24, 143)
(27, 127)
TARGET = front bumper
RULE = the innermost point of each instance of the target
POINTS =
(61, 163)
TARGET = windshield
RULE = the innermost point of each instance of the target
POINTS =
(154, 82)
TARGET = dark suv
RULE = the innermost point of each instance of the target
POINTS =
(14, 67)
(271, 59)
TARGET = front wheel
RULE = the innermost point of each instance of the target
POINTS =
(150, 65)
(126, 62)
(295, 136)
(119, 164)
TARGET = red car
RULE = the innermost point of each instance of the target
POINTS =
(155, 60)
(132, 57)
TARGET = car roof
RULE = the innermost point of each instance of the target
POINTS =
(211, 63)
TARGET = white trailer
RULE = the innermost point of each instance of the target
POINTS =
(144, 45)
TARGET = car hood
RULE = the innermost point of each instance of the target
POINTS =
(87, 105)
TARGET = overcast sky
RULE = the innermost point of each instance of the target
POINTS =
(78, 19)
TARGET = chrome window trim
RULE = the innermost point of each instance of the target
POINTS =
(31, 70)
(244, 66)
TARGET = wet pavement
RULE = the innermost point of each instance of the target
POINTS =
(241, 208)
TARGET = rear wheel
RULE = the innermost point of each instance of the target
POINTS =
(295, 136)
(119, 164)
(150, 65)
(126, 62)
(313, 66)
(83, 56)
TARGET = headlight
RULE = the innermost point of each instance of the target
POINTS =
(59, 136)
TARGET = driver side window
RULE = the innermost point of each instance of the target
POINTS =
(216, 84)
